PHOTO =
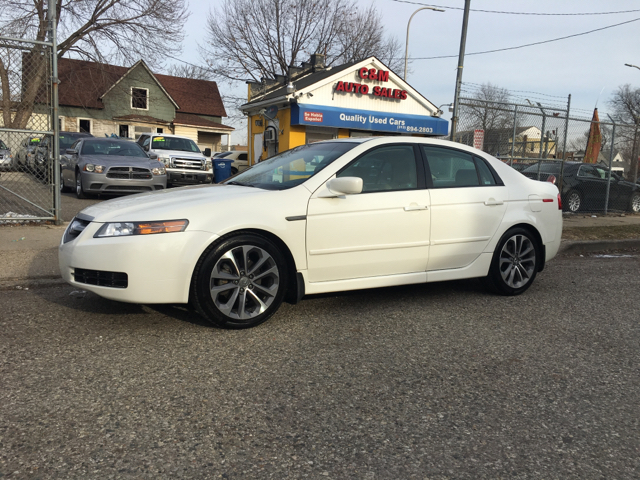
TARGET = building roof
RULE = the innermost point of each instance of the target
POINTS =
(83, 83)
(195, 120)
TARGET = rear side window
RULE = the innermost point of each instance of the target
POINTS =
(452, 168)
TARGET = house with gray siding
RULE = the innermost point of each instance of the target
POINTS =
(107, 99)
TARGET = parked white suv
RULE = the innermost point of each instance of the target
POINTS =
(185, 163)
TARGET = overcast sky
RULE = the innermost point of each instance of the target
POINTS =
(590, 67)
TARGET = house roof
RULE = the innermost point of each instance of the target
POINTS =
(190, 119)
(83, 83)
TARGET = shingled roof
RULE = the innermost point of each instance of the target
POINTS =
(83, 83)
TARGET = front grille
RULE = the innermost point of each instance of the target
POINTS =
(75, 228)
(127, 173)
(187, 163)
(101, 278)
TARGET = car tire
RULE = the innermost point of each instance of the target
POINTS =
(515, 262)
(634, 202)
(239, 282)
(573, 201)
(79, 190)
(63, 187)
(234, 170)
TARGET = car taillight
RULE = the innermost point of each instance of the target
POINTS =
(559, 202)
(552, 179)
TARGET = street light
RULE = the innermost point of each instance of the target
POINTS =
(627, 65)
(406, 50)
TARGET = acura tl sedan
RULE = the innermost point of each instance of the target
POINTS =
(109, 166)
(325, 217)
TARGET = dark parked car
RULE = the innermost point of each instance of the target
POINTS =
(42, 156)
(110, 166)
(584, 186)
(25, 157)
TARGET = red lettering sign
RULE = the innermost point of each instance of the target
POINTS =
(313, 117)
(373, 74)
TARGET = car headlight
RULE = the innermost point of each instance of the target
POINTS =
(207, 165)
(123, 229)
(165, 160)
(90, 167)
(159, 171)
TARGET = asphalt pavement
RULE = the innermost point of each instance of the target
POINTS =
(29, 254)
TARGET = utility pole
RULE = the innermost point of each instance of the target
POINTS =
(463, 41)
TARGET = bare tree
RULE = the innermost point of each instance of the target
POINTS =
(262, 38)
(98, 30)
(625, 103)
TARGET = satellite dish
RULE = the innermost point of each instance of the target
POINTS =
(271, 112)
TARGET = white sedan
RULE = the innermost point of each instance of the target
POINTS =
(326, 217)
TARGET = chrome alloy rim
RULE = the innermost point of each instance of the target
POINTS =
(517, 261)
(244, 282)
(635, 203)
(574, 202)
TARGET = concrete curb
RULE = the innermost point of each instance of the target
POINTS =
(587, 246)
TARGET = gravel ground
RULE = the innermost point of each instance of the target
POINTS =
(429, 381)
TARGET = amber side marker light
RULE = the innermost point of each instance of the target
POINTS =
(150, 228)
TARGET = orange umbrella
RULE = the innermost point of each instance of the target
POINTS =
(595, 140)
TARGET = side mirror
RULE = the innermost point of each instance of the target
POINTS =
(207, 152)
(343, 186)
(153, 156)
(70, 151)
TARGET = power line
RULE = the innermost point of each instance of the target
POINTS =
(520, 13)
(529, 44)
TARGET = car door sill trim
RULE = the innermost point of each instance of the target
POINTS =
(330, 251)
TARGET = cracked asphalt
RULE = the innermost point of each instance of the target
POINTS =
(428, 381)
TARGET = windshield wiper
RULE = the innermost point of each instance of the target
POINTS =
(240, 184)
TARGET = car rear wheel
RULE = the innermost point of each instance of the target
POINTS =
(240, 282)
(79, 190)
(574, 201)
(634, 203)
(515, 262)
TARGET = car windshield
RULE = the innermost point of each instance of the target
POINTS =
(112, 147)
(292, 167)
(3, 146)
(171, 143)
(66, 141)
(222, 155)
(545, 168)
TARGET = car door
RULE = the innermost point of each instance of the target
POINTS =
(68, 163)
(382, 231)
(468, 202)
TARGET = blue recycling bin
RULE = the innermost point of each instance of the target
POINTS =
(221, 169)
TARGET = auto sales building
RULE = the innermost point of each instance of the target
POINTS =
(314, 103)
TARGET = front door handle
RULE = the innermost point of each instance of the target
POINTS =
(493, 201)
(415, 206)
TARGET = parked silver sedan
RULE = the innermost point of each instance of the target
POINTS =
(110, 166)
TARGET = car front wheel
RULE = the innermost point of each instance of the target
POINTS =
(240, 282)
(515, 262)
(79, 190)
(634, 203)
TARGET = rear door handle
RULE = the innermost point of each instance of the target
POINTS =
(415, 206)
(493, 201)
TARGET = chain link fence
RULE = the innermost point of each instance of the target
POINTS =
(27, 182)
(547, 143)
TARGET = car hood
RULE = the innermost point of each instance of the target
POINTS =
(173, 204)
(121, 161)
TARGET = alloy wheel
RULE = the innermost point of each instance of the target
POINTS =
(573, 202)
(244, 282)
(517, 261)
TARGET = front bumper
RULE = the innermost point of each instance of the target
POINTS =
(98, 183)
(158, 268)
(188, 177)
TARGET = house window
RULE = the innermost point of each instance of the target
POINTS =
(84, 125)
(159, 130)
(123, 131)
(140, 98)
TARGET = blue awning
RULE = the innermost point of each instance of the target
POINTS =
(319, 116)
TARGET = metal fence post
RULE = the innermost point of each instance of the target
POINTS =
(564, 145)
(613, 136)
(55, 181)
(513, 138)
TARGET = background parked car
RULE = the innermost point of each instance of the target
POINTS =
(240, 160)
(25, 156)
(110, 166)
(6, 158)
(584, 186)
(42, 156)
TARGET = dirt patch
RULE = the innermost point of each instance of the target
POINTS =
(618, 232)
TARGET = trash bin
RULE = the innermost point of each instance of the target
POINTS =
(221, 169)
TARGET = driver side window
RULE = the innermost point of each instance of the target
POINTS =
(389, 168)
